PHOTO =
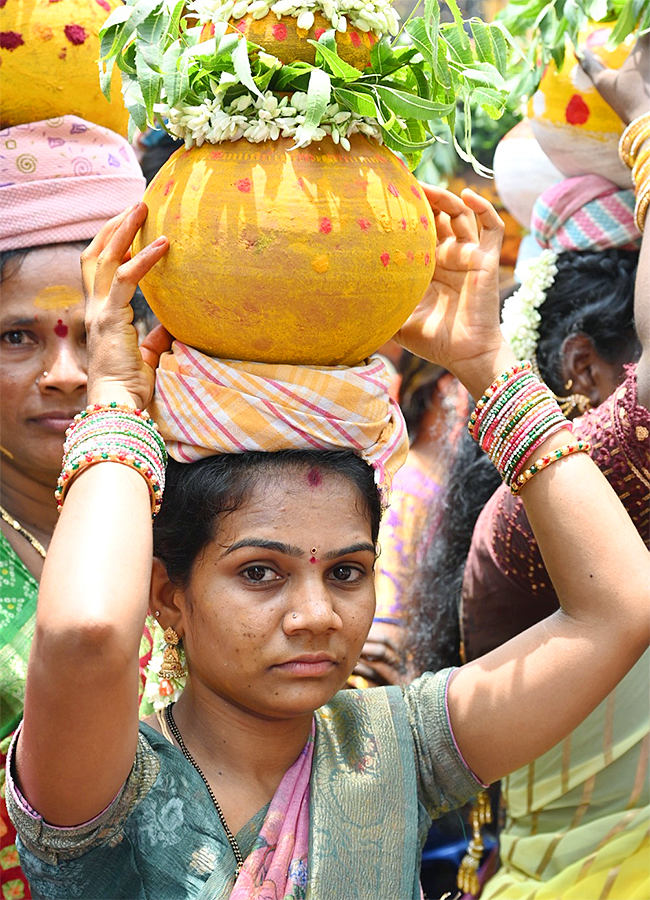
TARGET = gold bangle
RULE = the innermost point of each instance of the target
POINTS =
(641, 207)
(641, 163)
(545, 461)
(629, 143)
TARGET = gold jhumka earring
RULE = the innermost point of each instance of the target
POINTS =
(171, 667)
(572, 405)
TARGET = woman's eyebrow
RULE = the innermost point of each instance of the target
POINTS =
(346, 551)
(25, 322)
(278, 546)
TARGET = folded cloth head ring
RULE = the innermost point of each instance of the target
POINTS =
(205, 406)
(61, 180)
(585, 213)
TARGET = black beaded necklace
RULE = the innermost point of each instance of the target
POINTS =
(188, 756)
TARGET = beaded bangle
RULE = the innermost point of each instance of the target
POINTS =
(498, 383)
(544, 461)
(515, 415)
(632, 138)
(114, 433)
(520, 447)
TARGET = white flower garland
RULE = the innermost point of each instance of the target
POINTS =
(520, 316)
(262, 119)
(377, 16)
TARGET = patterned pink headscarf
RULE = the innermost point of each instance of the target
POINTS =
(61, 180)
(585, 213)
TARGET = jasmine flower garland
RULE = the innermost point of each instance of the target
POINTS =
(261, 119)
(520, 316)
(377, 16)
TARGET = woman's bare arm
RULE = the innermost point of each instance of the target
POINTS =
(518, 701)
(81, 705)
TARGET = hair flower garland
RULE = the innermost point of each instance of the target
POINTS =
(520, 316)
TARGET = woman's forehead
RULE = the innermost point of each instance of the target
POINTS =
(300, 503)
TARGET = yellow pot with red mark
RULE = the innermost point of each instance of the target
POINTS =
(283, 39)
(577, 130)
(309, 256)
(48, 55)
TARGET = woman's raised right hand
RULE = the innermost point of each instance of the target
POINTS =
(118, 369)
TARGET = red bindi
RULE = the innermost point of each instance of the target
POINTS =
(61, 330)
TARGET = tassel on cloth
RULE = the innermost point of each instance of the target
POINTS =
(481, 814)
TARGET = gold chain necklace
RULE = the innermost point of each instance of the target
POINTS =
(188, 756)
(36, 544)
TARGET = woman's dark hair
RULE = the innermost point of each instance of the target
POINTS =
(199, 495)
(419, 378)
(433, 625)
(592, 294)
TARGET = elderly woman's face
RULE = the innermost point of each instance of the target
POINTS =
(42, 357)
(281, 601)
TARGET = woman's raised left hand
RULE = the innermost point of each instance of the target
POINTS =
(118, 369)
(457, 324)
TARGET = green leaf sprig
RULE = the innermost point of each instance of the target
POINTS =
(412, 85)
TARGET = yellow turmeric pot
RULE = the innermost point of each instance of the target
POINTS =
(48, 53)
(313, 256)
(283, 39)
(574, 126)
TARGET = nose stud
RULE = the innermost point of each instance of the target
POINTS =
(44, 375)
(294, 615)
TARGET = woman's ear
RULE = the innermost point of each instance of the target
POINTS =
(580, 367)
(163, 596)
(590, 373)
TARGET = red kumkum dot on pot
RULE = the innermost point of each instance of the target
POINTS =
(244, 185)
(385, 258)
(280, 31)
(355, 40)
(425, 221)
(104, 4)
(364, 224)
(577, 111)
(325, 225)
(9, 40)
(76, 34)
(415, 191)
(393, 190)
(318, 33)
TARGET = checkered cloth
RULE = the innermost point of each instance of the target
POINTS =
(206, 406)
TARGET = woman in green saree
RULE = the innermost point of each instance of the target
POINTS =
(265, 780)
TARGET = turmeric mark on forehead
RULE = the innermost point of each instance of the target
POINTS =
(58, 296)
(314, 477)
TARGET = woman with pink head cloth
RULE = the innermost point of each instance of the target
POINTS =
(60, 181)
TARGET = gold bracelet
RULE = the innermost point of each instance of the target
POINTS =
(641, 165)
(641, 206)
(544, 461)
(634, 135)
